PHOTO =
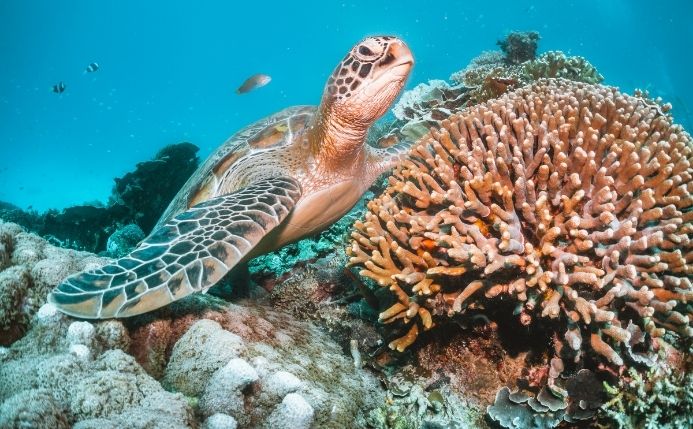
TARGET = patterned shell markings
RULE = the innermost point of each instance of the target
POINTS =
(215, 175)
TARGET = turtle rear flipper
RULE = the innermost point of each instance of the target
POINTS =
(189, 253)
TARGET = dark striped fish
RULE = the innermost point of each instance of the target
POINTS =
(91, 68)
(59, 87)
(254, 81)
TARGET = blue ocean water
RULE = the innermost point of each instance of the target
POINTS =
(169, 69)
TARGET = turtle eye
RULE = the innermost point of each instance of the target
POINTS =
(363, 50)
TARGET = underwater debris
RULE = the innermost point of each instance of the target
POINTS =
(478, 212)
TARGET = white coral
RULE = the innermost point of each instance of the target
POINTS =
(220, 421)
(224, 394)
(81, 333)
(293, 413)
(282, 382)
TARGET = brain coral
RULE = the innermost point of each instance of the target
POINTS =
(572, 199)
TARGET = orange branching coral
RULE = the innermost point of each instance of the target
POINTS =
(573, 199)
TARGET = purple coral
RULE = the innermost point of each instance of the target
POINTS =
(573, 199)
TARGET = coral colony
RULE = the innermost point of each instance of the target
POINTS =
(574, 200)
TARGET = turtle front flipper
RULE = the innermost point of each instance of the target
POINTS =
(189, 253)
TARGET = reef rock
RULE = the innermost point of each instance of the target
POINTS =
(243, 362)
(68, 373)
(124, 240)
(29, 269)
(147, 191)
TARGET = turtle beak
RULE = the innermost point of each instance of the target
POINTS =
(401, 57)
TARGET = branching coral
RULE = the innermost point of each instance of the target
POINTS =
(574, 200)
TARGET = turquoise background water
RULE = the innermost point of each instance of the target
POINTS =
(169, 69)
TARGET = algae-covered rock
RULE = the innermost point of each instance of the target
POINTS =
(65, 373)
(34, 408)
(220, 421)
(223, 393)
(124, 240)
(203, 349)
(29, 269)
(293, 413)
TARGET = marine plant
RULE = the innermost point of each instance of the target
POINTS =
(572, 200)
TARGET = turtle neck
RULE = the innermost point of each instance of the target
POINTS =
(334, 140)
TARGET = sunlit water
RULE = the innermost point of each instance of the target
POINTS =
(169, 70)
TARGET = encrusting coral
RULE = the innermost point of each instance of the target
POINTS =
(493, 73)
(574, 200)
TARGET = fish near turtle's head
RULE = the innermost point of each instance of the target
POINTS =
(368, 79)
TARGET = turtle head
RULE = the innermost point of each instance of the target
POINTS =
(368, 79)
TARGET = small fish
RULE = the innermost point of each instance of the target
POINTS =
(254, 81)
(91, 68)
(59, 87)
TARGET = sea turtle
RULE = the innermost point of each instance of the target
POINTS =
(283, 178)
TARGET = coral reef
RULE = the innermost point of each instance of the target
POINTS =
(139, 197)
(491, 75)
(65, 373)
(494, 73)
(662, 397)
(125, 239)
(244, 361)
(147, 191)
(519, 47)
(518, 410)
(487, 76)
(573, 200)
(425, 105)
(29, 269)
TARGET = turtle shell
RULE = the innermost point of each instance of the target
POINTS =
(248, 155)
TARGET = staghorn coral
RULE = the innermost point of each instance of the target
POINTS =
(574, 200)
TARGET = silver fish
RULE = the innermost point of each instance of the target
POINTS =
(91, 68)
(59, 87)
(254, 81)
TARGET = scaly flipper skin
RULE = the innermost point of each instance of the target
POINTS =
(189, 253)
